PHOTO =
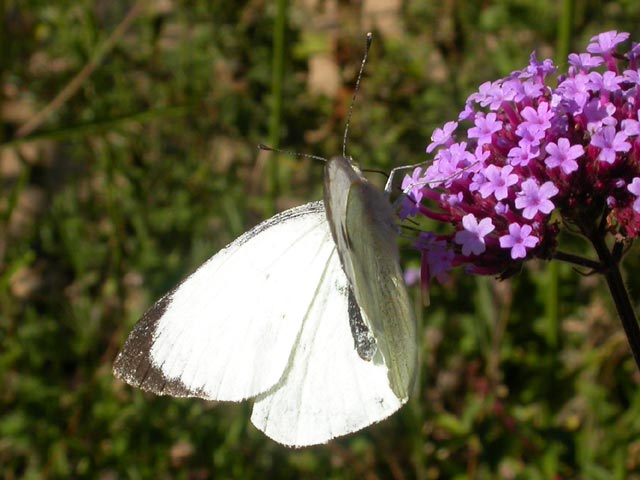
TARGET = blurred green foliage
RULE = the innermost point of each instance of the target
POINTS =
(151, 166)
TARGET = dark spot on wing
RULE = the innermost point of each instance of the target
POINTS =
(364, 342)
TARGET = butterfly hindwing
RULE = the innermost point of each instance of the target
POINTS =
(327, 390)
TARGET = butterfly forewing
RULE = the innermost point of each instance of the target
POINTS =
(363, 227)
(227, 331)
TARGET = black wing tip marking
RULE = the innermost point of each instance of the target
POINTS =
(134, 364)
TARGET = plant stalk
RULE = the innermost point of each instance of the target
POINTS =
(619, 293)
(275, 116)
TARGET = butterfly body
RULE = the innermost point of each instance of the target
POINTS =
(363, 227)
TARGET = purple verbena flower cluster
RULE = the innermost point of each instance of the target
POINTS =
(528, 149)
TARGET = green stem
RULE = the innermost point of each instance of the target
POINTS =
(577, 260)
(551, 305)
(93, 127)
(4, 55)
(619, 293)
(565, 27)
(277, 76)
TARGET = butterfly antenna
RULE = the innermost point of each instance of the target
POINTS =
(355, 93)
(412, 185)
(392, 174)
(267, 148)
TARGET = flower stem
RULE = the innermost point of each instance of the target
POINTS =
(275, 116)
(619, 293)
(577, 260)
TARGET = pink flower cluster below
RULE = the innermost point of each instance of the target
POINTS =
(522, 150)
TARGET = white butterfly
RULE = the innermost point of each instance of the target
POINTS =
(306, 312)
